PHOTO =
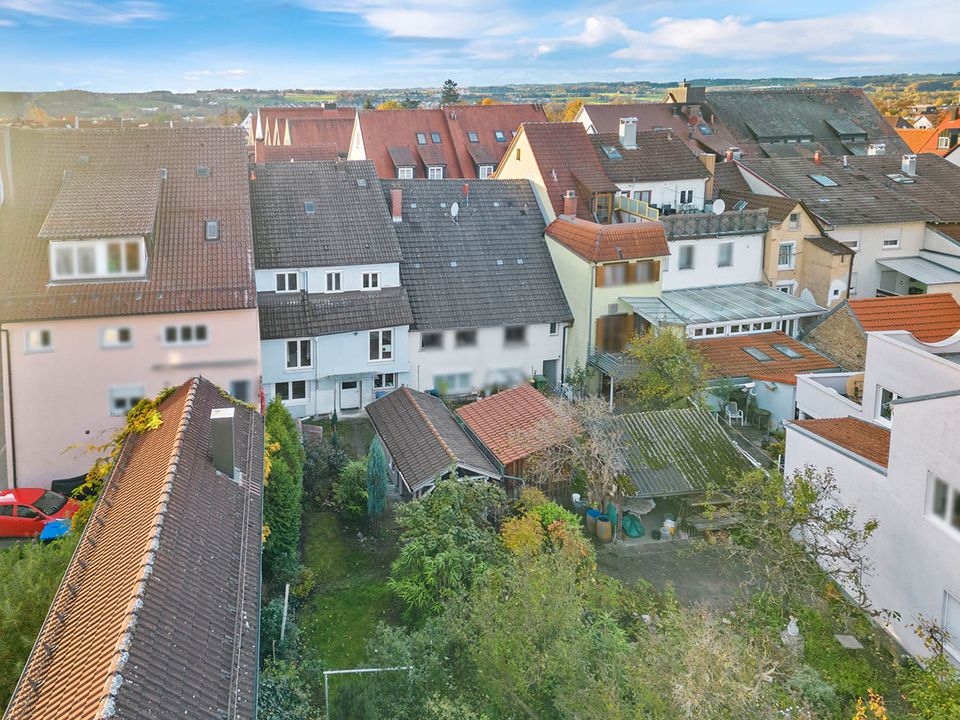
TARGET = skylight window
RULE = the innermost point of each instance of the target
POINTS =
(788, 351)
(213, 230)
(421, 138)
(435, 137)
(705, 129)
(361, 182)
(823, 180)
(741, 205)
(498, 134)
(757, 354)
(309, 207)
(203, 171)
(473, 137)
(611, 152)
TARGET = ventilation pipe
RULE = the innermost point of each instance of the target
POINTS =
(908, 165)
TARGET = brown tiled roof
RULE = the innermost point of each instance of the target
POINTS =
(185, 273)
(157, 615)
(727, 176)
(930, 318)
(659, 155)
(778, 208)
(384, 130)
(862, 438)
(727, 357)
(506, 422)
(485, 120)
(333, 131)
(566, 159)
(604, 243)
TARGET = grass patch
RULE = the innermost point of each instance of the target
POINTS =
(354, 433)
(309, 98)
(351, 596)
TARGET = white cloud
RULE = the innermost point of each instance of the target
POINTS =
(233, 74)
(6, 23)
(87, 11)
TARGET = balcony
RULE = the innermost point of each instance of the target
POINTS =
(637, 208)
(826, 395)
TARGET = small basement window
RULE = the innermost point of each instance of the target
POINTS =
(757, 354)
(213, 230)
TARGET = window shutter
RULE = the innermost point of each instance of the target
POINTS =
(631, 274)
(626, 329)
(600, 275)
(600, 334)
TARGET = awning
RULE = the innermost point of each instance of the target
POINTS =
(922, 270)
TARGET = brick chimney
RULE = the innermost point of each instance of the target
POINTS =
(570, 203)
(817, 158)
(396, 204)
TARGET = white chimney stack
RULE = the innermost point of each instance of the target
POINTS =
(221, 440)
(908, 165)
(628, 133)
(877, 149)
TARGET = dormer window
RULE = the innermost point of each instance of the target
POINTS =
(435, 172)
(91, 259)
(404, 173)
(213, 230)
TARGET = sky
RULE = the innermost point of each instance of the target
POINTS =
(182, 45)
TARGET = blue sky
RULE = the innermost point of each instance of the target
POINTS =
(133, 45)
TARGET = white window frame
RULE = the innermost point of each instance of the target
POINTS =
(301, 343)
(786, 287)
(891, 243)
(100, 258)
(179, 331)
(384, 349)
(793, 221)
(943, 142)
(387, 381)
(110, 337)
(435, 172)
(554, 329)
(720, 248)
(286, 277)
(336, 276)
(33, 340)
(405, 173)
(458, 383)
(130, 394)
(793, 255)
(951, 603)
(878, 405)
(686, 197)
(291, 400)
(485, 171)
(370, 280)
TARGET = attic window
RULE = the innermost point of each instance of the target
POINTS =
(213, 230)
(822, 180)
(473, 137)
(611, 152)
(361, 182)
(741, 205)
(435, 137)
(787, 351)
(757, 354)
(421, 139)
(309, 207)
(203, 171)
(498, 134)
(83, 159)
(163, 173)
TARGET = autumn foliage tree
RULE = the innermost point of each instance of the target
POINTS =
(670, 371)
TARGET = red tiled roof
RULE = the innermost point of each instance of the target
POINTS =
(303, 126)
(609, 243)
(928, 141)
(726, 357)
(916, 138)
(485, 120)
(505, 422)
(294, 153)
(930, 318)
(566, 159)
(865, 439)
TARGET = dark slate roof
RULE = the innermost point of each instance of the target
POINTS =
(828, 116)
(489, 268)
(185, 273)
(424, 438)
(659, 155)
(157, 615)
(828, 244)
(675, 452)
(864, 192)
(726, 176)
(290, 315)
(351, 224)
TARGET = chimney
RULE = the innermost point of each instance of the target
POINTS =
(877, 149)
(570, 203)
(817, 158)
(221, 440)
(628, 133)
(908, 165)
(728, 156)
(396, 204)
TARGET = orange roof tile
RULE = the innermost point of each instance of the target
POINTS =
(915, 138)
(727, 357)
(609, 243)
(930, 318)
(930, 143)
(503, 421)
(865, 439)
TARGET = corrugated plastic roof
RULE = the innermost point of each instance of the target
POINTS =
(922, 269)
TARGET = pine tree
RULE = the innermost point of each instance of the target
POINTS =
(450, 94)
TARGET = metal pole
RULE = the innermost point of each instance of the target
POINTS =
(328, 673)
(326, 694)
(283, 622)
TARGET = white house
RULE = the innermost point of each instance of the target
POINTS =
(888, 436)
(333, 317)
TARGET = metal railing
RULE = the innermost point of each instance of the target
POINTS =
(639, 208)
(709, 225)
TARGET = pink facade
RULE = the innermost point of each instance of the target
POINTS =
(72, 394)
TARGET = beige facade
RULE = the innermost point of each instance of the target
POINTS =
(518, 163)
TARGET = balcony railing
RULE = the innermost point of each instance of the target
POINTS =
(639, 208)
(734, 222)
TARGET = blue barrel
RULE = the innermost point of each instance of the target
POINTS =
(592, 515)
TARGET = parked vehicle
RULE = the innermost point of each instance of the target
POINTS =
(25, 511)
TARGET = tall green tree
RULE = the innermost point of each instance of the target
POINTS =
(671, 372)
(449, 93)
(283, 496)
(376, 483)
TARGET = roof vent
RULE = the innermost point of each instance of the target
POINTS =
(361, 182)
(221, 438)
(877, 149)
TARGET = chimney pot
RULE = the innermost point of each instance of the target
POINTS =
(221, 434)
(396, 204)
(570, 203)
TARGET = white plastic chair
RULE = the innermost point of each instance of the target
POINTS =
(734, 413)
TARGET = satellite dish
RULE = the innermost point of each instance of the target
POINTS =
(454, 210)
(719, 206)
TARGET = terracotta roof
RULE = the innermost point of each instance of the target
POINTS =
(505, 422)
(485, 121)
(930, 318)
(659, 155)
(605, 243)
(185, 273)
(567, 161)
(862, 438)
(270, 121)
(157, 615)
(916, 138)
(727, 357)
(294, 153)
(928, 141)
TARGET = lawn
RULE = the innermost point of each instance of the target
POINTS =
(351, 595)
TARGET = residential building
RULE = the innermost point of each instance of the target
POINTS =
(796, 122)
(799, 258)
(158, 612)
(456, 141)
(488, 308)
(943, 139)
(887, 435)
(841, 334)
(134, 269)
(423, 441)
(334, 317)
(890, 210)
(765, 365)
(285, 134)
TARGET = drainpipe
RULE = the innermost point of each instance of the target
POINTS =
(9, 396)
(849, 276)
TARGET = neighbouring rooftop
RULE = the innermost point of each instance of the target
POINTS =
(864, 439)
(929, 318)
(609, 243)
(773, 356)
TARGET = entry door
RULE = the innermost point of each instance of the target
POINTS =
(350, 395)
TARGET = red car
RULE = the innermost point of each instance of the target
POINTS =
(24, 511)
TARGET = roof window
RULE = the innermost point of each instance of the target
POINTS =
(361, 182)
(787, 351)
(611, 152)
(213, 230)
(757, 354)
(309, 207)
(473, 137)
(203, 171)
(421, 138)
(498, 134)
(822, 180)
(740, 205)
(435, 137)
